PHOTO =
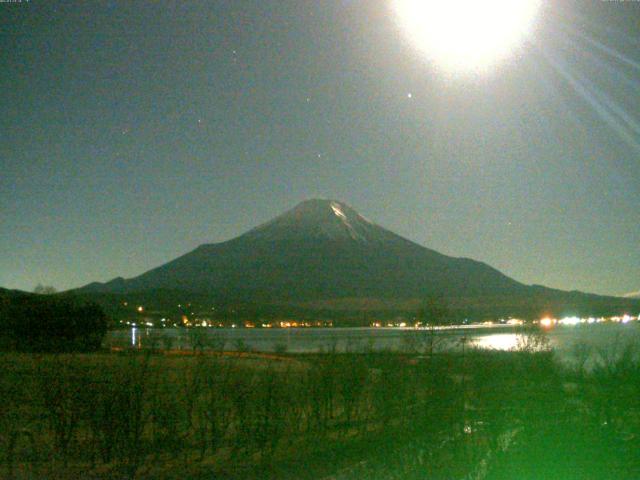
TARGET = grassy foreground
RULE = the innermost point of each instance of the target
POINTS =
(475, 415)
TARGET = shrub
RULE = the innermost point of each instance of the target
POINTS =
(53, 325)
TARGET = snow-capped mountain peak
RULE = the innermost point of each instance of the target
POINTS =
(319, 218)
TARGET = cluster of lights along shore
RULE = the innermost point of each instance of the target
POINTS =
(546, 322)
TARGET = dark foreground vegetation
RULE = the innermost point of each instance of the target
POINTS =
(470, 415)
(44, 323)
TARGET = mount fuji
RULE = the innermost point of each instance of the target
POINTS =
(323, 253)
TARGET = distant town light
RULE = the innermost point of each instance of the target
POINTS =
(570, 321)
(140, 308)
(546, 322)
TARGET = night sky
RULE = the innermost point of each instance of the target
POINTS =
(132, 132)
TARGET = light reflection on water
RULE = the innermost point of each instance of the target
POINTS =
(563, 339)
(498, 341)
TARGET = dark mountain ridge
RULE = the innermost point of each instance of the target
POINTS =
(321, 249)
(324, 251)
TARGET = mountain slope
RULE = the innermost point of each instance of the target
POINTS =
(323, 254)
(321, 249)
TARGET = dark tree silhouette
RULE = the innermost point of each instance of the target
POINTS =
(434, 311)
(50, 324)
(44, 289)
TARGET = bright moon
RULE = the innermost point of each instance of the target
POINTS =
(466, 35)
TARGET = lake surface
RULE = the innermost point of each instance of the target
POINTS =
(606, 337)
